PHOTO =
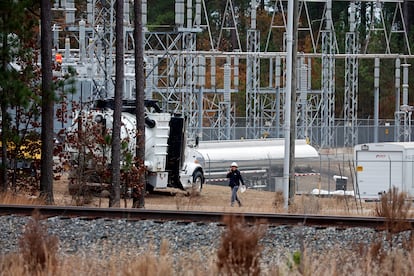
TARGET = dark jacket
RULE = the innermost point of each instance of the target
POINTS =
(235, 178)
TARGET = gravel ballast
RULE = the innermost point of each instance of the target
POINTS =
(98, 237)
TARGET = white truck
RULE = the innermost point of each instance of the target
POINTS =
(169, 161)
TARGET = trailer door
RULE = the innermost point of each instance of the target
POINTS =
(378, 171)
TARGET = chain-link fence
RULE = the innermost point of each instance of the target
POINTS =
(331, 171)
(386, 131)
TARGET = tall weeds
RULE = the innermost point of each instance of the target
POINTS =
(395, 208)
(240, 252)
(38, 249)
(12, 198)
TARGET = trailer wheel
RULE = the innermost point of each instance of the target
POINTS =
(197, 182)
(149, 188)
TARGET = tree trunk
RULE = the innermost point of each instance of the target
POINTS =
(409, 20)
(115, 198)
(3, 166)
(46, 177)
(139, 198)
(4, 115)
(363, 26)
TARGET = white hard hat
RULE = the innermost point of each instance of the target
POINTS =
(234, 164)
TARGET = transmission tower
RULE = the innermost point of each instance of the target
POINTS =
(229, 25)
(328, 81)
(303, 116)
(351, 83)
(253, 96)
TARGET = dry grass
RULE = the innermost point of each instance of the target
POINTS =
(187, 200)
(18, 199)
(37, 247)
(312, 204)
(240, 252)
(305, 205)
(37, 252)
(216, 199)
(348, 262)
(279, 202)
(213, 198)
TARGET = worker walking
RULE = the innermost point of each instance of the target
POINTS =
(235, 179)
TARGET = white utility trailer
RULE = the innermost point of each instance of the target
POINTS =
(381, 166)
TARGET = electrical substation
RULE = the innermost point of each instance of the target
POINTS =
(202, 83)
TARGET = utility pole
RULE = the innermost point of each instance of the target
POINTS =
(292, 180)
(290, 117)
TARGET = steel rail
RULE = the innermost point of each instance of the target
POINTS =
(201, 216)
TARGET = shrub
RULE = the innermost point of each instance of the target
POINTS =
(394, 207)
(239, 252)
(38, 249)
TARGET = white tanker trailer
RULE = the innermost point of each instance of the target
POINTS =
(259, 160)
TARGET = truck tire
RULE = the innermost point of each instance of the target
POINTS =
(149, 188)
(197, 182)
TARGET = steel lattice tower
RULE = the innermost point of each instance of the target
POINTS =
(328, 82)
(253, 96)
(302, 105)
(351, 83)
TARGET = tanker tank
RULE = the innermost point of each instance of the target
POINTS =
(259, 160)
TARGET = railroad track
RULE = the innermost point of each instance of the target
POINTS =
(379, 223)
